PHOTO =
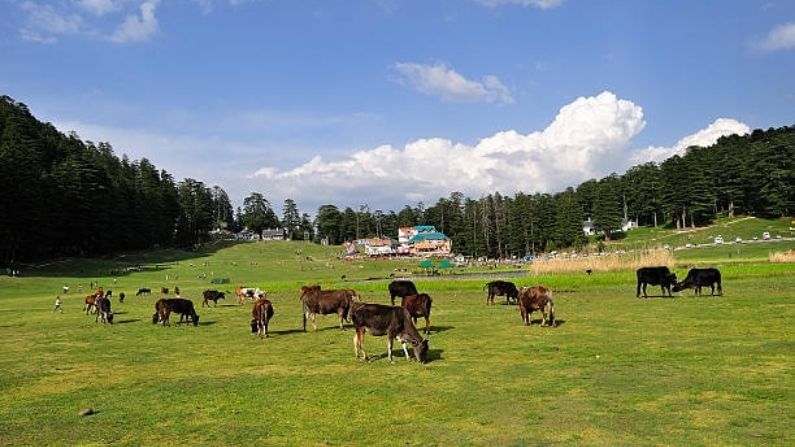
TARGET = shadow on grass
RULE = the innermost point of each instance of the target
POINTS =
(286, 331)
(132, 320)
(538, 322)
(117, 264)
(435, 329)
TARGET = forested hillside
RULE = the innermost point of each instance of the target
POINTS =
(63, 196)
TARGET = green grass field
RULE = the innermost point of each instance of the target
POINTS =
(618, 370)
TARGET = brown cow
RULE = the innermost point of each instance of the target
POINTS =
(262, 311)
(91, 304)
(326, 302)
(537, 298)
(419, 306)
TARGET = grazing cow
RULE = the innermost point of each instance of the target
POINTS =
(212, 295)
(165, 306)
(144, 291)
(103, 311)
(121, 297)
(164, 290)
(588, 272)
(176, 291)
(537, 298)
(246, 293)
(394, 322)
(262, 312)
(500, 288)
(91, 304)
(108, 294)
(401, 288)
(419, 306)
(324, 302)
(698, 278)
(656, 276)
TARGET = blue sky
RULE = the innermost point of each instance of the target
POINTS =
(388, 102)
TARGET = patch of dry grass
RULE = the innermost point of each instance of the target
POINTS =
(782, 256)
(609, 262)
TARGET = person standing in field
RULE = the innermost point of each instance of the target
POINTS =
(58, 304)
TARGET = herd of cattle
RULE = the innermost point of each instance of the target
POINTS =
(396, 322)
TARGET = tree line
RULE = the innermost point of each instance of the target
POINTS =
(61, 196)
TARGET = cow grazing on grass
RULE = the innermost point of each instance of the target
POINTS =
(500, 288)
(262, 312)
(212, 295)
(143, 291)
(121, 297)
(394, 322)
(103, 311)
(164, 290)
(165, 306)
(656, 276)
(401, 288)
(325, 302)
(537, 298)
(698, 278)
(248, 293)
(91, 304)
(418, 306)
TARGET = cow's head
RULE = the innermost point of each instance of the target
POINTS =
(678, 287)
(254, 327)
(155, 318)
(195, 320)
(420, 350)
(221, 296)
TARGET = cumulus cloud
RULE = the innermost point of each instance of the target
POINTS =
(781, 37)
(446, 83)
(586, 137)
(543, 4)
(704, 137)
(138, 27)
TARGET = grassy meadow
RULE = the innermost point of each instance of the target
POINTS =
(617, 371)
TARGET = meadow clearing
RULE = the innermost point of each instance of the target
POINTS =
(616, 371)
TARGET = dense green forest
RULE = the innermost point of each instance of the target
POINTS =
(61, 196)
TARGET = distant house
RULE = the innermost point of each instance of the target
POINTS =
(587, 227)
(423, 239)
(246, 235)
(273, 234)
(628, 224)
(378, 247)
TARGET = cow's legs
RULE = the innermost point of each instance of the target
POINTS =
(341, 314)
(427, 325)
(314, 321)
(523, 312)
(720, 290)
(405, 350)
(389, 342)
(306, 314)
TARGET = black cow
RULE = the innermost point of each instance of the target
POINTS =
(394, 322)
(401, 288)
(121, 297)
(165, 306)
(698, 278)
(103, 310)
(656, 276)
(212, 295)
(144, 291)
(500, 288)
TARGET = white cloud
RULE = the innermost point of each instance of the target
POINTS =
(585, 139)
(781, 37)
(704, 137)
(446, 83)
(98, 7)
(543, 4)
(135, 27)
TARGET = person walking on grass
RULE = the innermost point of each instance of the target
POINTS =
(58, 304)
